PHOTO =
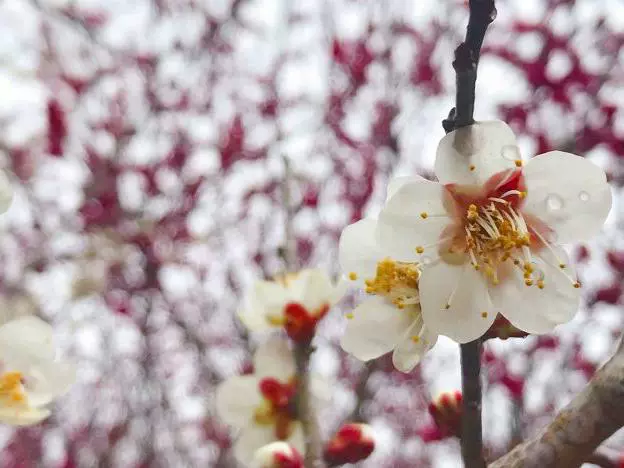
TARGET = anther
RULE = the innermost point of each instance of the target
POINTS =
(528, 282)
(350, 315)
(472, 167)
(518, 162)
(420, 249)
(353, 276)
(424, 215)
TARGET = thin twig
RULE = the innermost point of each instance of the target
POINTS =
(471, 431)
(482, 13)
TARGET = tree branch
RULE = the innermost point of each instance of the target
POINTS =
(590, 418)
(471, 430)
(482, 13)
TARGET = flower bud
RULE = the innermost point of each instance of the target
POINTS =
(351, 444)
(446, 411)
(278, 455)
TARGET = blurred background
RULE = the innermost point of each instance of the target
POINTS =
(145, 138)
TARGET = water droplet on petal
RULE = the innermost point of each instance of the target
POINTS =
(554, 202)
(583, 196)
(511, 153)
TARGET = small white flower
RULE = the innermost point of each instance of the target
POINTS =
(30, 377)
(392, 319)
(262, 404)
(485, 235)
(295, 301)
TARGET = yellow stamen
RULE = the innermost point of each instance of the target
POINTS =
(398, 281)
(420, 249)
(484, 314)
(518, 162)
(353, 276)
(424, 215)
(472, 167)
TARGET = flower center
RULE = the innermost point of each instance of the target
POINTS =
(397, 281)
(277, 407)
(12, 390)
(495, 233)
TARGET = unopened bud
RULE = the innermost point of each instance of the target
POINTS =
(351, 444)
(278, 455)
(446, 411)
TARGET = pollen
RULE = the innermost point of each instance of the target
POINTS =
(540, 284)
(562, 265)
(12, 390)
(420, 249)
(350, 315)
(424, 215)
(484, 314)
(353, 276)
(528, 282)
(518, 162)
(472, 167)
(397, 281)
(577, 285)
(416, 339)
(276, 320)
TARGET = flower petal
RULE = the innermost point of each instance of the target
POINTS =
(237, 398)
(28, 336)
(397, 182)
(266, 298)
(401, 228)
(358, 252)
(23, 417)
(410, 351)
(485, 147)
(48, 380)
(535, 310)
(297, 439)
(252, 438)
(312, 289)
(574, 203)
(375, 329)
(467, 292)
(274, 359)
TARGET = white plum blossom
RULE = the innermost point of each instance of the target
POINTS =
(295, 301)
(30, 376)
(486, 235)
(391, 320)
(262, 405)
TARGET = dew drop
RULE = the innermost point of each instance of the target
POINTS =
(583, 196)
(554, 202)
(510, 153)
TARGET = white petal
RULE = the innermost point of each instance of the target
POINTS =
(397, 182)
(312, 289)
(266, 298)
(274, 359)
(237, 398)
(252, 438)
(568, 193)
(537, 310)
(375, 329)
(358, 251)
(23, 417)
(400, 228)
(48, 380)
(6, 192)
(408, 352)
(488, 146)
(28, 336)
(467, 292)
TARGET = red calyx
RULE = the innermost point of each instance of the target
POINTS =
(446, 412)
(350, 445)
(300, 324)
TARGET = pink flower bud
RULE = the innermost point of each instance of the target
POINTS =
(351, 444)
(446, 412)
(278, 455)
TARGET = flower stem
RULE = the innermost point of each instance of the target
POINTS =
(305, 407)
(471, 429)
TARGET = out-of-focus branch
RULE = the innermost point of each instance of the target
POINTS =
(471, 431)
(575, 433)
(482, 13)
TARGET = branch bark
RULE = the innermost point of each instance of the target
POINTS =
(482, 13)
(471, 431)
(575, 433)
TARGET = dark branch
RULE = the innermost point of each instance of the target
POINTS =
(471, 430)
(482, 13)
